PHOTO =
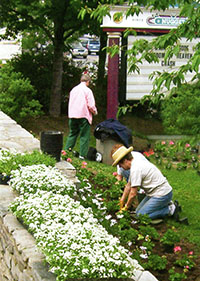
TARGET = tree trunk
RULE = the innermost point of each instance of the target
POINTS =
(56, 89)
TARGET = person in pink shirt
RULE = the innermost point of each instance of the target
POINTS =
(80, 109)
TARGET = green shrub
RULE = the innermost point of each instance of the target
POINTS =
(180, 110)
(37, 67)
(17, 95)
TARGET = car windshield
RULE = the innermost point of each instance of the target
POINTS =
(94, 42)
(77, 45)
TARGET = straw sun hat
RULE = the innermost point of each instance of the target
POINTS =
(120, 153)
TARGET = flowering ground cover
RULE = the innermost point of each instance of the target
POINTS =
(63, 218)
(75, 244)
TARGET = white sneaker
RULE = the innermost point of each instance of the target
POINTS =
(81, 157)
(172, 208)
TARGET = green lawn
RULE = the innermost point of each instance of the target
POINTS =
(186, 189)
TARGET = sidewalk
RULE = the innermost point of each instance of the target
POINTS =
(13, 136)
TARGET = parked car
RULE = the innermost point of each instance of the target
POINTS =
(84, 41)
(93, 46)
(79, 50)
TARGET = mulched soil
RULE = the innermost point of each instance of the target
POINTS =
(186, 247)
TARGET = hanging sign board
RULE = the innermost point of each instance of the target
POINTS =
(146, 20)
(150, 22)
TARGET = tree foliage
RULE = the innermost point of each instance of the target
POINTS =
(59, 20)
(180, 110)
(37, 67)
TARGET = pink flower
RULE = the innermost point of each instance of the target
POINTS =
(187, 145)
(151, 152)
(146, 153)
(63, 152)
(190, 253)
(177, 249)
(171, 143)
(83, 167)
(187, 266)
(115, 174)
(163, 142)
(84, 163)
(69, 160)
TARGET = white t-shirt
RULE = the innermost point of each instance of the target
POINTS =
(146, 175)
(136, 156)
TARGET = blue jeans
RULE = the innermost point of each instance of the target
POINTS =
(155, 207)
(126, 174)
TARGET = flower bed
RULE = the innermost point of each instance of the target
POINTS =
(75, 244)
(145, 243)
(179, 155)
(53, 216)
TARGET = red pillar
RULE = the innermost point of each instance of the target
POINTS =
(113, 76)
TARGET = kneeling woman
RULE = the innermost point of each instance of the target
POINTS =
(143, 174)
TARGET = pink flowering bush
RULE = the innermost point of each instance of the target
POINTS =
(179, 153)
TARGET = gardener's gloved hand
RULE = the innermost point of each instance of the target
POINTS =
(123, 209)
(121, 204)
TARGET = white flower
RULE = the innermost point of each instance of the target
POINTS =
(144, 256)
(85, 271)
(120, 216)
(108, 217)
(113, 222)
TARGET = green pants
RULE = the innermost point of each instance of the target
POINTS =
(78, 126)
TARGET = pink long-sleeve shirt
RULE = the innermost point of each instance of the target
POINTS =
(81, 103)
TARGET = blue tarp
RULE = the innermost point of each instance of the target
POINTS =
(113, 129)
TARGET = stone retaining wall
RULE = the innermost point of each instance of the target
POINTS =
(19, 258)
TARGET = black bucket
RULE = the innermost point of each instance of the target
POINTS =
(51, 142)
